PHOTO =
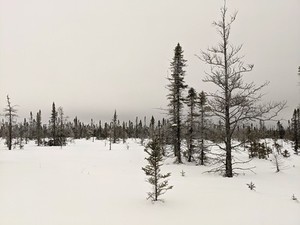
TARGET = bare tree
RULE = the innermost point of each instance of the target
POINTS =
(235, 102)
(299, 74)
(61, 133)
(277, 160)
(110, 134)
(10, 114)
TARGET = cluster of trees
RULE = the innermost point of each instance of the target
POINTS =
(60, 128)
(227, 114)
(294, 126)
(234, 104)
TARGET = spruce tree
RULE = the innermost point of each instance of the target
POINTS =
(152, 127)
(53, 125)
(203, 110)
(157, 180)
(114, 127)
(76, 128)
(176, 88)
(280, 130)
(191, 122)
(39, 127)
(124, 133)
(296, 129)
(31, 126)
(26, 130)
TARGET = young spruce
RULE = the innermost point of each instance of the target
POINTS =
(152, 170)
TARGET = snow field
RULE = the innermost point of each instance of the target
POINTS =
(85, 183)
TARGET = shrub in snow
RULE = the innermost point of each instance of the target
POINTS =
(294, 198)
(251, 186)
(285, 153)
(152, 170)
(259, 150)
(182, 173)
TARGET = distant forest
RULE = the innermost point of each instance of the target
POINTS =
(233, 116)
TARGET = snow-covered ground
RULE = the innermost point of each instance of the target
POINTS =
(85, 184)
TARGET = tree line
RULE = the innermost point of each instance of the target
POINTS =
(196, 127)
(235, 111)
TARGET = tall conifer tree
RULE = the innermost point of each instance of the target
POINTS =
(53, 124)
(176, 88)
(39, 127)
(296, 129)
(114, 127)
(191, 121)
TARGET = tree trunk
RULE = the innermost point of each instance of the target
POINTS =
(155, 182)
(10, 131)
(178, 132)
(202, 137)
(228, 164)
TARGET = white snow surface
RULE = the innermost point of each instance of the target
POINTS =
(85, 183)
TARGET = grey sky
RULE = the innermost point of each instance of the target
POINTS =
(92, 57)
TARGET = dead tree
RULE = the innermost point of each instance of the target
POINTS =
(10, 114)
(235, 102)
(61, 133)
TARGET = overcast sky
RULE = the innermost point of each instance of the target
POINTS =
(92, 57)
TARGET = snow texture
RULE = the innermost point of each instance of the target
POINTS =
(86, 184)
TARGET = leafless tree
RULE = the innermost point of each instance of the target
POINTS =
(61, 122)
(235, 102)
(277, 162)
(110, 135)
(10, 113)
(299, 74)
